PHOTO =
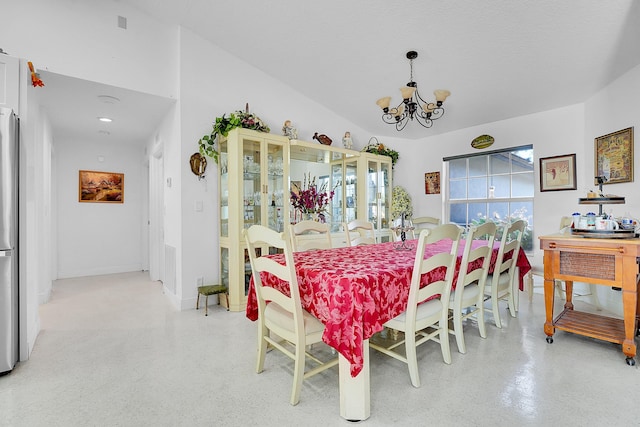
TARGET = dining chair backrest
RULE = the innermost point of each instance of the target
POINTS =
(469, 288)
(258, 236)
(501, 283)
(475, 253)
(422, 222)
(360, 232)
(510, 241)
(565, 222)
(422, 266)
(316, 236)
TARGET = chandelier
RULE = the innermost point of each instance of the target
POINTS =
(412, 105)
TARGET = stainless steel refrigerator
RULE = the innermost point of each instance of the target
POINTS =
(9, 136)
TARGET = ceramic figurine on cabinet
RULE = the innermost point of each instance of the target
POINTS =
(289, 131)
(347, 141)
(322, 139)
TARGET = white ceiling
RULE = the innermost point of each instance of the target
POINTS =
(74, 105)
(499, 58)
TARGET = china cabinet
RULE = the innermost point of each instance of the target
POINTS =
(256, 172)
(253, 180)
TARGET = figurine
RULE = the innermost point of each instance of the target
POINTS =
(289, 131)
(347, 141)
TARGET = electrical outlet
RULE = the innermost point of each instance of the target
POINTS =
(200, 281)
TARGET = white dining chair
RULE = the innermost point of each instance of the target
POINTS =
(360, 232)
(503, 283)
(420, 313)
(282, 314)
(307, 235)
(422, 222)
(467, 298)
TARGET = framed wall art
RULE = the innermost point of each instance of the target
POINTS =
(558, 173)
(432, 183)
(614, 156)
(100, 187)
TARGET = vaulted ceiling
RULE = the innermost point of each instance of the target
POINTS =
(499, 58)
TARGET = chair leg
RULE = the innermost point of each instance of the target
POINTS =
(412, 357)
(262, 346)
(298, 373)
(481, 325)
(530, 285)
(495, 303)
(198, 301)
(457, 329)
(206, 305)
(444, 341)
(514, 297)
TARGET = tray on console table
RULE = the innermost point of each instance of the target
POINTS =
(604, 234)
(606, 261)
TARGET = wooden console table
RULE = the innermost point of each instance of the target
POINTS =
(608, 262)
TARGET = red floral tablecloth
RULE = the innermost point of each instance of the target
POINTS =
(355, 290)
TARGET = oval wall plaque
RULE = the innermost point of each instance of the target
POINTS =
(482, 141)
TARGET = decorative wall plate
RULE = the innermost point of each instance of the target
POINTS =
(482, 141)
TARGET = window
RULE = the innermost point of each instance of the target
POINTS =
(496, 185)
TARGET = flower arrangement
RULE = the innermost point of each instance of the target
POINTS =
(400, 203)
(377, 148)
(310, 199)
(223, 125)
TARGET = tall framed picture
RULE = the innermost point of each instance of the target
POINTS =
(558, 173)
(432, 183)
(100, 187)
(614, 156)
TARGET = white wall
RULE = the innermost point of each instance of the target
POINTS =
(98, 238)
(614, 108)
(214, 82)
(82, 39)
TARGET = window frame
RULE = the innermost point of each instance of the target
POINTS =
(487, 176)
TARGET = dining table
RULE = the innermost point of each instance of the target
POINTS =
(354, 291)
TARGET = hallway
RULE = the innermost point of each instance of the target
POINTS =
(113, 352)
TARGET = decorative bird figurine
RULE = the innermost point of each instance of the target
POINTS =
(322, 138)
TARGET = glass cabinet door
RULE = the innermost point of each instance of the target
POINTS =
(337, 203)
(251, 184)
(224, 188)
(384, 191)
(351, 190)
(373, 208)
(274, 190)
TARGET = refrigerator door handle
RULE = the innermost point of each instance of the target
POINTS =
(6, 253)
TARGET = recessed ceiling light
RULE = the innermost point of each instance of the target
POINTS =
(105, 119)
(108, 99)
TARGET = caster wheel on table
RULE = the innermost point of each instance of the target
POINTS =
(631, 361)
(550, 340)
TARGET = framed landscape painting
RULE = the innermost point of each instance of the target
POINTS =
(614, 156)
(558, 173)
(100, 187)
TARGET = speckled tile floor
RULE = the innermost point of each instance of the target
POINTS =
(113, 352)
